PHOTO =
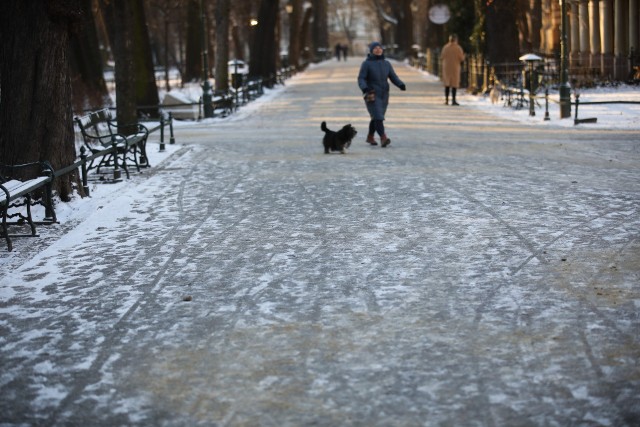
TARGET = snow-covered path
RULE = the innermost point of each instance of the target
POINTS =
(476, 272)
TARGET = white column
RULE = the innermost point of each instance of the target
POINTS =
(606, 20)
(575, 59)
(594, 26)
(634, 20)
(583, 17)
(575, 29)
(554, 31)
(545, 33)
(606, 37)
(594, 33)
(619, 40)
(620, 49)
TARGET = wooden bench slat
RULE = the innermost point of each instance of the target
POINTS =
(11, 185)
(20, 188)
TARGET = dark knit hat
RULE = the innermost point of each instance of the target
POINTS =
(373, 45)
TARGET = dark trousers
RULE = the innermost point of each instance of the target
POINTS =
(376, 126)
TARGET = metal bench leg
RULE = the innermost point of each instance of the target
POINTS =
(172, 139)
(49, 210)
(29, 218)
(124, 165)
(5, 230)
(143, 153)
(135, 157)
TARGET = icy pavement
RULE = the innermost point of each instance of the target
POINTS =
(477, 272)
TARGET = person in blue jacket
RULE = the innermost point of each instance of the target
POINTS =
(373, 78)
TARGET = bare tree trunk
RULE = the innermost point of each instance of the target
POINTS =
(535, 23)
(384, 36)
(144, 73)
(193, 61)
(222, 44)
(320, 27)
(502, 32)
(404, 28)
(264, 46)
(240, 16)
(119, 16)
(87, 76)
(478, 37)
(36, 119)
(305, 36)
(294, 33)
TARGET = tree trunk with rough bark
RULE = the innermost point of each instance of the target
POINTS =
(119, 16)
(222, 44)
(320, 26)
(87, 75)
(131, 47)
(404, 28)
(535, 24)
(145, 77)
(193, 59)
(264, 45)
(36, 118)
(502, 32)
(295, 23)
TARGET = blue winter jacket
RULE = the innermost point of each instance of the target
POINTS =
(374, 74)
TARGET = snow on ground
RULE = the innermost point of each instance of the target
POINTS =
(610, 116)
(98, 344)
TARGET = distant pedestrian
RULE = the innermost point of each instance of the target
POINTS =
(373, 78)
(337, 51)
(452, 56)
(345, 51)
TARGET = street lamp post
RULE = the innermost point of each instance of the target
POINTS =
(207, 95)
(531, 59)
(565, 89)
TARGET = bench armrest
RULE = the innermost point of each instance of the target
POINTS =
(6, 195)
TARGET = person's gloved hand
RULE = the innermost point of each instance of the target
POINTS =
(370, 96)
(403, 87)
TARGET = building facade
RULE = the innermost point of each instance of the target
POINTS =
(603, 36)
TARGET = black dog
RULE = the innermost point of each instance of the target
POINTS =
(337, 141)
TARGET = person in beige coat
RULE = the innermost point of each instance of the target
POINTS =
(452, 56)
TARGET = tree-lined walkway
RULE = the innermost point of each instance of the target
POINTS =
(472, 273)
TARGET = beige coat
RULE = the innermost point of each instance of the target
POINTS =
(452, 57)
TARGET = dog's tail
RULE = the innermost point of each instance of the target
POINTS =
(323, 126)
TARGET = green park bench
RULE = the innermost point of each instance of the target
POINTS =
(108, 146)
(17, 197)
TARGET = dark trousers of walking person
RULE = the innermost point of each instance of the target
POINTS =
(375, 126)
(453, 95)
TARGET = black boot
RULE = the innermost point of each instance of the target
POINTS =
(453, 96)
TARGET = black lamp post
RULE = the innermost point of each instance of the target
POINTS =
(565, 89)
(531, 59)
(207, 95)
